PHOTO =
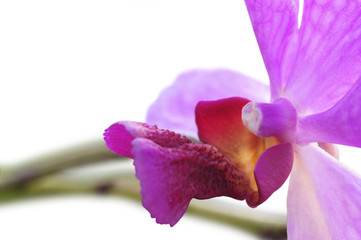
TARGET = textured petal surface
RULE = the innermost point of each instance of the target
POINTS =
(173, 170)
(118, 140)
(275, 26)
(328, 61)
(119, 136)
(174, 109)
(323, 198)
(340, 124)
(171, 177)
(220, 124)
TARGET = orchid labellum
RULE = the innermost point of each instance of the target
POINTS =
(254, 136)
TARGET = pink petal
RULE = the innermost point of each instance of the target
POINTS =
(118, 140)
(328, 61)
(323, 198)
(275, 26)
(340, 124)
(174, 109)
(272, 170)
(170, 178)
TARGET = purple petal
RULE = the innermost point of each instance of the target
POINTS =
(171, 177)
(272, 169)
(340, 124)
(323, 198)
(118, 140)
(275, 26)
(119, 136)
(174, 109)
(328, 61)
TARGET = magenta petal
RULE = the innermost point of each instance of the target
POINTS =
(275, 26)
(329, 54)
(323, 198)
(174, 108)
(340, 124)
(163, 196)
(172, 170)
(118, 140)
(171, 177)
(119, 136)
(272, 169)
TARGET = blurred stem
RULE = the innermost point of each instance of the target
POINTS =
(270, 226)
(84, 154)
(42, 177)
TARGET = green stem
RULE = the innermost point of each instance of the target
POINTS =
(80, 155)
(270, 226)
(41, 177)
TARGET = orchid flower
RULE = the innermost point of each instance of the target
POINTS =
(253, 136)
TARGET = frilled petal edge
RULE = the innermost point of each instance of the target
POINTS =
(323, 197)
(171, 177)
(172, 170)
(174, 108)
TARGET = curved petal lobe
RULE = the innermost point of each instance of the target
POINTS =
(275, 26)
(328, 61)
(174, 108)
(340, 124)
(323, 197)
(272, 169)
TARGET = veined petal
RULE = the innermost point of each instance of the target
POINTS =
(323, 198)
(275, 26)
(339, 124)
(174, 108)
(328, 61)
(220, 124)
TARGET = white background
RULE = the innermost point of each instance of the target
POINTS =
(69, 69)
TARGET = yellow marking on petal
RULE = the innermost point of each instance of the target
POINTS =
(245, 152)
